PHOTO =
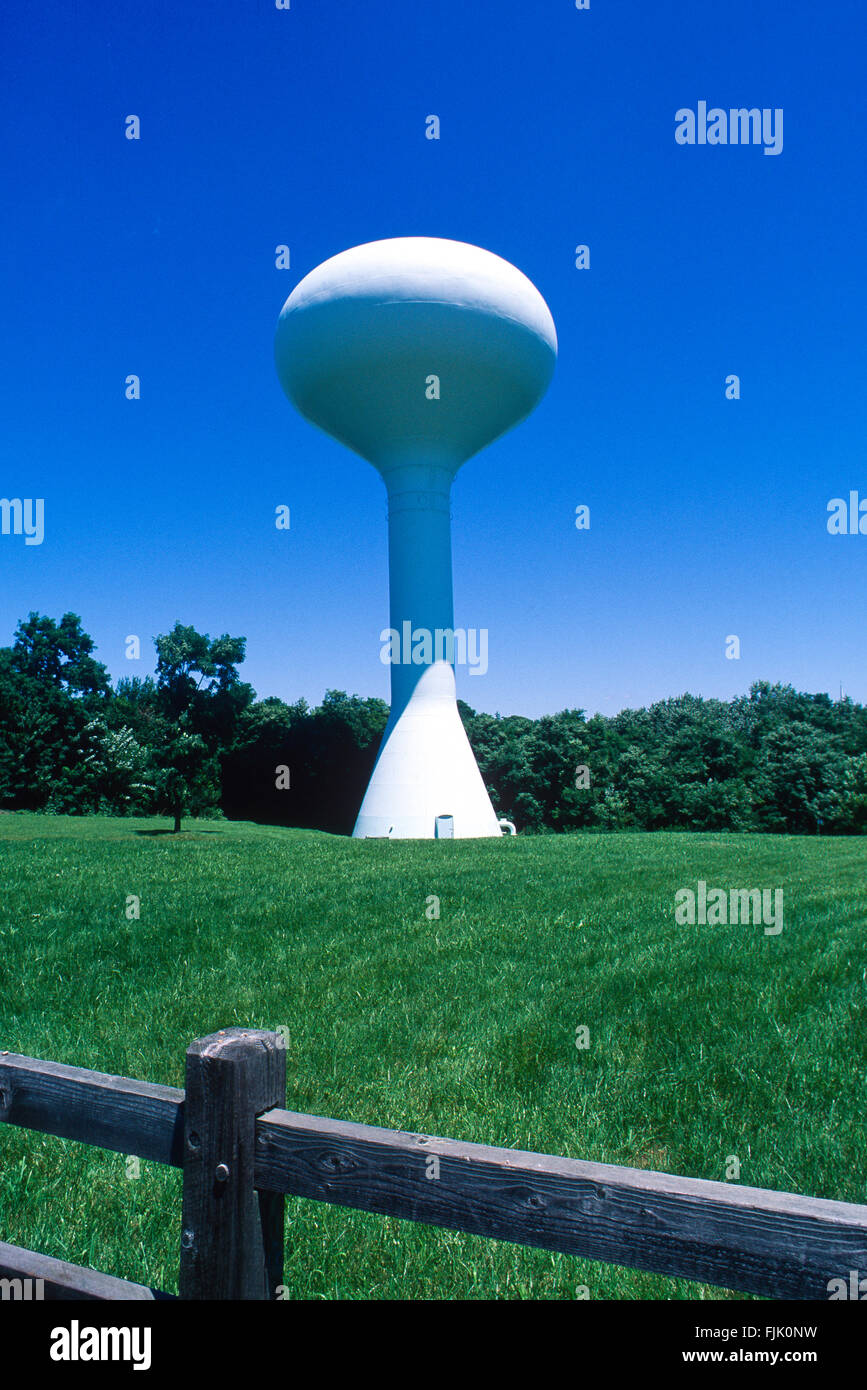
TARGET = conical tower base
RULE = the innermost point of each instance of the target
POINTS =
(426, 781)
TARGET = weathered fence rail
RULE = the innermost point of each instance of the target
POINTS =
(241, 1154)
(40, 1276)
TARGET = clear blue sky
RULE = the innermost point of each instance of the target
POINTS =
(306, 127)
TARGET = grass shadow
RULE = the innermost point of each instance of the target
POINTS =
(168, 831)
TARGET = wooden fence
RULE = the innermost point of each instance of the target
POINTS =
(241, 1153)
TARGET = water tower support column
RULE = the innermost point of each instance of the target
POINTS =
(426, 768)
(419, 564)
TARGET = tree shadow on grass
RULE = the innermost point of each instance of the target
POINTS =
(178, 833)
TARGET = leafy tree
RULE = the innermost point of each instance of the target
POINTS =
(800, 774)
(122, 772)
(200, 698)
(187, 781)
(329, 751)
(50, 687)
(136, 706)
(853, 796)
(59, 655)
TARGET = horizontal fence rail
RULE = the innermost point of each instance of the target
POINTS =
(40, 1276)
(111, 1112)
(757, 1241)
(241, 1153)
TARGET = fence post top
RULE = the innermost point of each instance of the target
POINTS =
(234, 1042)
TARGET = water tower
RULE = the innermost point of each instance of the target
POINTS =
(416, 352)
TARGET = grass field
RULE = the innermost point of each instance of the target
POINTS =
(704, 1041)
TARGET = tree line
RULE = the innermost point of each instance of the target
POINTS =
(194, 740)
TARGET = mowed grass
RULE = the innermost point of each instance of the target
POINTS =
(705, 1042)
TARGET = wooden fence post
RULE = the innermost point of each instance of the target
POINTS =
(231, 1236)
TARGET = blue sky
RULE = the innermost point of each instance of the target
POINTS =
(307, 127)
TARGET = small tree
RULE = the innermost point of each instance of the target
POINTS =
(200, 699)
(187, 781)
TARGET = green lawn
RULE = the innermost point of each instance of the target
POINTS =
(704, 1041)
